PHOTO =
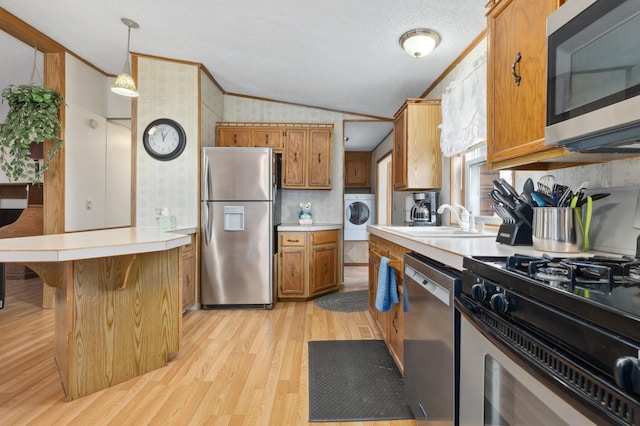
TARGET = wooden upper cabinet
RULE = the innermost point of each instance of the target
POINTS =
(516, 109)
(319, 170)
(357, 169)
(307, 158)
(268, 138)
(417, 159)
(294, 163)
(233, 137)
(306, 149)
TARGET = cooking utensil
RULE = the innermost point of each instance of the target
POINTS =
(510, 190)
(565, 199)
(541, 199)
(507, 201)
(594, 197)
(545, 184)
(528, 186)
(587, 223)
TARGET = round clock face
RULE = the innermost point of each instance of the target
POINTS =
(164, 139)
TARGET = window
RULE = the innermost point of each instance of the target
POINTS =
(472, 183)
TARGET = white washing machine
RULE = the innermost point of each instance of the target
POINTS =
(359, 211)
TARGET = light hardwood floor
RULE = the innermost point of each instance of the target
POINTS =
(235, 367)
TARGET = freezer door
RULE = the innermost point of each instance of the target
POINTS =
(241, 174)
(237, 254)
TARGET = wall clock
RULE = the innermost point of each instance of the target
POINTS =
(164, 139)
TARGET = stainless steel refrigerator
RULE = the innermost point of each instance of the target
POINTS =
(240, 212)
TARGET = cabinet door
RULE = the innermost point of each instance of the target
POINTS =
(294, 159)
(268, 138)
(319, 169)
(324, 268)
(233, 137)
(355, 173)
(399, 160)
(396, 328)
(292, 272)
(516, 111)
(357, 169)
(187, 255)
(188, 282)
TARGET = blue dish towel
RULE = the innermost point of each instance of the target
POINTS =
(387, 287)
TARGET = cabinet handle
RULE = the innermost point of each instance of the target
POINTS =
(326, 268)
(395, 317)
(319, 159)
(234, 139)
(516, 77)
(295, 156)
(293, 241)
(188, 280)
(293, 271)
(266, 141)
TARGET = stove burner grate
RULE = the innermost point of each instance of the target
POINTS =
(598, 273)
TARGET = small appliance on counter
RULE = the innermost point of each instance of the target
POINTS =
(423, 212)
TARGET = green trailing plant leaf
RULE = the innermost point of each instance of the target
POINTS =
(32, 118)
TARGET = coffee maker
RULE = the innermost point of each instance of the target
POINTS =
(423, 213)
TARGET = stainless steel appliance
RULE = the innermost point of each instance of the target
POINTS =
(424, 211)
(430, 339)
(240, 212)
(568, 330)
(593, 78)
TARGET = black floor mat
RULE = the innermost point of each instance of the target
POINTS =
(346, 301)
(354, 380)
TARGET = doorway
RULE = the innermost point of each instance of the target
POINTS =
(384, 190)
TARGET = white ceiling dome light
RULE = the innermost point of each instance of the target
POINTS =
(419, 42)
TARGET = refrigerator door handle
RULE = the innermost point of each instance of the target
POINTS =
(206, 188)
(207, 223)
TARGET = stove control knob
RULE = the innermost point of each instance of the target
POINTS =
(500, 303)
(479, 291)
(627, 373)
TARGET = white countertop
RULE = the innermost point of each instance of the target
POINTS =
(451, 251)
(89, 244)
(296, 227)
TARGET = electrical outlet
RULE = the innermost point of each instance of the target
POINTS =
(88, 205)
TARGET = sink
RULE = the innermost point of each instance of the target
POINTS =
(437, 231)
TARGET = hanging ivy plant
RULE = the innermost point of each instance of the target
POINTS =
(32, 118)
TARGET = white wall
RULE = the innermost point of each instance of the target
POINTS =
(169, 89)
(97, 160)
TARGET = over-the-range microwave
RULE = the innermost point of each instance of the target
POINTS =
(593, 76)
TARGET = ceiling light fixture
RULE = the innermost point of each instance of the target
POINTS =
(124, 84)
(419, 42)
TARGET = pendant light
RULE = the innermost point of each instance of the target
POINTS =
(419, 42)
(124, 84)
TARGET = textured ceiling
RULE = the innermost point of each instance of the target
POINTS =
(334, 54)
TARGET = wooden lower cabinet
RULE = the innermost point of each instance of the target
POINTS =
(391, 323)
(308, 264)
(188, 274)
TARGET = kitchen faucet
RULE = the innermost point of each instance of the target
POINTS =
(465, 220)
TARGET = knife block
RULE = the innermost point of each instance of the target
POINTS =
(520, 232)
(515, 234)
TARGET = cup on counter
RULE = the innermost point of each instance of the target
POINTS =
(556, 229)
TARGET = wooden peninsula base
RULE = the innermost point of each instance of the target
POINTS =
(118, 302)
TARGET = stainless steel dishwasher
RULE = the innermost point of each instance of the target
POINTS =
(431, 338)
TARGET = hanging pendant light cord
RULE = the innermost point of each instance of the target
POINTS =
(34, 70)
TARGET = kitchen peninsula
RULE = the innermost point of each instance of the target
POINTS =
(118, 303)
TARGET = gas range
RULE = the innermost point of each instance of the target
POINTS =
(576, 321)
